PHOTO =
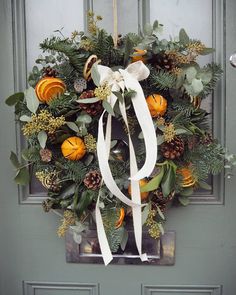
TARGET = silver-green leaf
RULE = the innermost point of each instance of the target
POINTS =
(32, 101)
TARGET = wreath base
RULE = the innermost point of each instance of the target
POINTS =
(159, 252)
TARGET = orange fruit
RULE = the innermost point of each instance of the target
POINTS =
(73, 148)
(121, 218)
(48, 88)
(144, 195)
(157, 105)
(139, 54)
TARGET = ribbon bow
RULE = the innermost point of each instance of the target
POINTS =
(121, 80)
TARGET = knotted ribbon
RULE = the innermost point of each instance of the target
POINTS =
(121, 80)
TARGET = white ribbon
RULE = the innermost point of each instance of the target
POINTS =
(128, 79)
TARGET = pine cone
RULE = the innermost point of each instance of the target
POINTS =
(163, 61)
(49, 72)
(206, 139)
(47, 205)
(90, 108)
(173, 149)
(162, 201)
(92, 180)
(46, 155)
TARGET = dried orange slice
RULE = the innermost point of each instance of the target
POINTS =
(144, 195)
(121, 218)
(88, 66)
(73, 148)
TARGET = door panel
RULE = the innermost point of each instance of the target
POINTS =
(32, 258)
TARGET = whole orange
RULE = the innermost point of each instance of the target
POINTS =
(144, 195)
(73, 148)
(157, 105)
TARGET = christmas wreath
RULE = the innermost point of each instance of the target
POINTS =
(115, 130)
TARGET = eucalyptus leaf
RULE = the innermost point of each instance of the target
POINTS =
(197, 86)
(15, 98)
(84, 118)
(207, 51)
(160, 139)
(14, 160)
(161, 228)
(183, 37)
(32, 101)
(205, 185)
(72, 126)
(95, 75)
(188, 191)
(42, 138)
(148, 29)
(191, 73)
(168, 181)
(160, 213)
(145, 213)
(108, 107)
(124, 240)
(22, 176)
(77, 238)
(25, 118)
(154, 183)
(88, 100)
(184, 200)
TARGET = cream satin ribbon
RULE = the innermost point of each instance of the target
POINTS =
(119, 80)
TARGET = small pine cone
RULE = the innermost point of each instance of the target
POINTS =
(163, 61)
(161, 201)
(206, 139)
(55, 187)
(93, 180)
(49, 72)
(92, 109)
(193, 141)
(173, 149)
(80, 85)
(47, 205)
(46, 155)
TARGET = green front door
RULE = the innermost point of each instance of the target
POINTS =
(32, 257)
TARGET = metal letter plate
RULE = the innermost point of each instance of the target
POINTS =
(159, 252)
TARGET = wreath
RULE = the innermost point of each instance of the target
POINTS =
(115, 130)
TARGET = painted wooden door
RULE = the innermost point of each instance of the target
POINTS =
(32, 258)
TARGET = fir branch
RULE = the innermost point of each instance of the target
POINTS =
(76, 58)
(162, 80)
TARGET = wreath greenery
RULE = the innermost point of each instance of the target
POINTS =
(59, 115)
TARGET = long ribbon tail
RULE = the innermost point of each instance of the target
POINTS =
(145, 121)
(135, 191)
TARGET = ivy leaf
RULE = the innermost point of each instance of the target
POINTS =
(183, 37)
(72, 126)
(108, 107)
(95, 75)
(154, 183)
(22, 176)
(42, 138)
(25, 118)
(205, 185)
(14, 99)
(168, 181)
(184, 200)
(119, 96)
(14, 160)
(84, 201)
(32, 101)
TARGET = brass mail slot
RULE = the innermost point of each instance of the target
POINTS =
(159, 252)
